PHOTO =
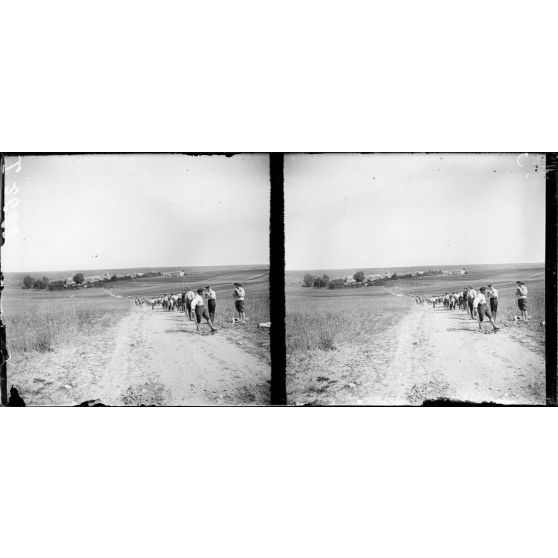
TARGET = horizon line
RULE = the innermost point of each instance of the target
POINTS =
(429, 266)
(115, 269)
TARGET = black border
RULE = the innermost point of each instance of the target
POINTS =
(551, 257)
(277, 281)
(278, 394)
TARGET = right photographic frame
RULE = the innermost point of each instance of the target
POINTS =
(418, 278)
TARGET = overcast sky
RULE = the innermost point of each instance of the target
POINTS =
(344, 211)
(118, 211)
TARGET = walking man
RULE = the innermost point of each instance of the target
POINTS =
(492, 292)
(483, 309)
(239, 295)
(211, 298)
(201, 311)
(521, 294)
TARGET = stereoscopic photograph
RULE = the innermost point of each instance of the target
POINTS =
(414, 279)
(136, 280)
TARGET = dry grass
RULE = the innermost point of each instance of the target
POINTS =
(147, 394)
(330, 322)
(253, 338)
(41, 328)
(54, 324)
(508, 308)
(257, 310)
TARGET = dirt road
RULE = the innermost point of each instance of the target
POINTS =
(149, 357)
(430, 354)
(163, 347)
(441, 353)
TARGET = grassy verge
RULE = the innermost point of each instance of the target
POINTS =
(332, 323)
(531, 332)
(252, 337)
(51, 325)
(38, 333)
(336, 345)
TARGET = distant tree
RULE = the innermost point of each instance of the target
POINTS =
(78, 278)
(114, 278)
(46, 281)
(325, 280)
(28, 282)
(359, 276)
(321, 282)
(38, 284)
(56, 285)
(308, 280)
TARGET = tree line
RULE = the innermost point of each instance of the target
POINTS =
(30, 282)
(359, 277)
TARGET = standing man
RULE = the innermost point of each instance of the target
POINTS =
(471, 295)
(183, 301)
(189, 297)
(211, 298)
(521, 294)
(239, 295)
(465, 298)
(492, 292)
(483, 309)
(201, 312)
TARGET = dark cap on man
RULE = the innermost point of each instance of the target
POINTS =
(200, 291)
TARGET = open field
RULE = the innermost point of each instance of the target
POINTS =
(375, 345)
(63, 344)
(326, 320)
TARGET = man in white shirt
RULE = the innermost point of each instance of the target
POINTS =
(200, 311)
(492, 293)
(239, 295)
(482, 308)
(189, 297)
(521, 294)
(471, 295)
(211, 298)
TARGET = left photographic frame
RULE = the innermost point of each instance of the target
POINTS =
(136, 280)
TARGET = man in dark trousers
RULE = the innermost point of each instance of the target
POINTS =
(492, 293)
(211, 298)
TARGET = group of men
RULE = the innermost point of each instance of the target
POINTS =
(198, 305)
(482, 304)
